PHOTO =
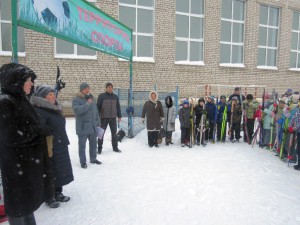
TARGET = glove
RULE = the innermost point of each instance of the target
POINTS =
(291, 130)
(143, 120)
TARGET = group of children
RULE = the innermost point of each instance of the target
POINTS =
(273, 123)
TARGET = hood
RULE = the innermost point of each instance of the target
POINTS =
(169, 102)
(12, 79)
(151, 92)
(44, 103)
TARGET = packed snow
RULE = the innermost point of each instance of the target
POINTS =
(220, 184)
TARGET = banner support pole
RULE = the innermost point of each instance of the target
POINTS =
(14, 31)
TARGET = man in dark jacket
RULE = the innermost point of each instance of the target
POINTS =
(24, 161)
(211, 110)
(87, 121)
(109, 109)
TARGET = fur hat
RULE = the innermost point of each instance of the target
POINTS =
(169, 101)
(83, 86)
(43, 91)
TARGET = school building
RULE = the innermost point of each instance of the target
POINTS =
(184, 43)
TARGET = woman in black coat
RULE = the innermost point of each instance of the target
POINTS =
(53, 120)
(25, 169)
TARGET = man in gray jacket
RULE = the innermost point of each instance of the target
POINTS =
(87, 120)
(109, 109)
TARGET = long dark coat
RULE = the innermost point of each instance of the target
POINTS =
(25, 170)
(55, 123)
(154, 112)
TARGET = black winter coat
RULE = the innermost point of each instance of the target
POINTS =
(184, 117)
(25, 170)
(55, 123)
(199, 111)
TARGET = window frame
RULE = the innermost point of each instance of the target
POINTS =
(136, 34)
(9, 53)
(266, 67)
(188, 40)
(75, 55)
(298, 45)
(232, 21)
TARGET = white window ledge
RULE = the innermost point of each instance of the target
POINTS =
(267, 67)
(189, 63)
(62, 56)
(139, 59)
(232, 65)
(294, 69)
(21, 54)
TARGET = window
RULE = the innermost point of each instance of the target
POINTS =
(5, 31)
(295, 48)
(268, 36)
(65, 49)
(189, 31)
(232, 33)
(139, 16)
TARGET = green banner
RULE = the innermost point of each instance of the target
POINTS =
(79, 22)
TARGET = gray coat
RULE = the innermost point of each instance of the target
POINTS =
(86, 114)
(170, 117)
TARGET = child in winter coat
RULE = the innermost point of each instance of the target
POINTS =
(211, 110)
(250, 107)
(184, 118)
(170, 117)
(199, 112)
(235, 120)
(222, 106)
(294, 126)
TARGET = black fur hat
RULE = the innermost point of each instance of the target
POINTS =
(169, 101)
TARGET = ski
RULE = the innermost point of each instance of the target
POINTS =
(224, 121)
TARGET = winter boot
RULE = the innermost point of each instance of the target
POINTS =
(182, 145)
(99, 150)
(52, 203)
(116, 149)
(60, 197)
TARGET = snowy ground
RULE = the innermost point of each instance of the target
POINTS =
(221, 184)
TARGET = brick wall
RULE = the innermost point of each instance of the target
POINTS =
(164, 72)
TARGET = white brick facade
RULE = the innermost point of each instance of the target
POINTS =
(164, 72)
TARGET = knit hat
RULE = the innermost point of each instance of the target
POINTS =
(211, 97)
(108, 85)
(43, 91)
(185, 102)
(237, 89)
(83, 86)
(223, 97)
(289, 90)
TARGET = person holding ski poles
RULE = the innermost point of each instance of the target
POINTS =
(211, 110)
(200, 114)
(250, 106)
(294, 126)
(222, 115)
(235, 119)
